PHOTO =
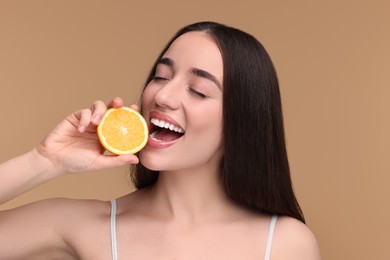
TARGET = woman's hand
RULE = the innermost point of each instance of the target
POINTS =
(73, 145)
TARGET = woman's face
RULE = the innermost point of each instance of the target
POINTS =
(183, 105)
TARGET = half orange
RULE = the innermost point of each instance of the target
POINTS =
(123, 131)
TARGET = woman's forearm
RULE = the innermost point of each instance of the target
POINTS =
(24, 173)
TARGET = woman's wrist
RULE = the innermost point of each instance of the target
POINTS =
(42, 166)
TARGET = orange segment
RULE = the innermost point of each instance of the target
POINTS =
(123, 131)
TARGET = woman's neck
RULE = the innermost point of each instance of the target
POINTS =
(189, 196)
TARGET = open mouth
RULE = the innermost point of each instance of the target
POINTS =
(162, 131)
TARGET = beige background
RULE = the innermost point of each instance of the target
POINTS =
(333, 61)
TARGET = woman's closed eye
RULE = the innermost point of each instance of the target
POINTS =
(159, 78)
(197, 93)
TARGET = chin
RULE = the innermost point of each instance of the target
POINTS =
(149, 161)
(160, 163)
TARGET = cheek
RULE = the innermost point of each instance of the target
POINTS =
(208, 116)
(208, 127)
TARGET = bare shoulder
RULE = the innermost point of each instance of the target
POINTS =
(294, 240)
(56, 222)
(64, 214)
(55, 214)
(59, 207)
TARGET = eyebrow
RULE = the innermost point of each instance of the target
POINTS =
(195, 71)
(206, 75)
(166, 61)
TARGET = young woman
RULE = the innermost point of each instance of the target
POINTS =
(219, 188)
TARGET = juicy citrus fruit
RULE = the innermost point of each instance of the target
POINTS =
(123, 131)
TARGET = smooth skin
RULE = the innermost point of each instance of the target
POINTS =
(185, 215)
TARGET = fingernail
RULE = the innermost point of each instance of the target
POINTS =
(81, 128)
(96, 119)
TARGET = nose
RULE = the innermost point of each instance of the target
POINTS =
(168, 96)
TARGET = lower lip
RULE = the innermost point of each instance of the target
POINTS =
(159, 144)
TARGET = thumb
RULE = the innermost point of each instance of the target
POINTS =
(113, 161)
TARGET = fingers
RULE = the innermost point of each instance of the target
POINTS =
(126, 159)
(90, 115)
(135, 107)
(112, 161)
(98, 109)
(116, 103)
(96, 112)
(84, 119)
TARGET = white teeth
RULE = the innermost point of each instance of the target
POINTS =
(166, 125)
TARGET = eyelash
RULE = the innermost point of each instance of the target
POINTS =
(157, 78)
(193, 91)
(199, 94)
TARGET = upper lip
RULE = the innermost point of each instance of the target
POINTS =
(164, 117)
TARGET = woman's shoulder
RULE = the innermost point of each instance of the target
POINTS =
(294, 240)
(61, 213)
(60, 206)
(62, 225)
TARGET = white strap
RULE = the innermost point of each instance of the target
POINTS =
(113, 230)
(271, 230)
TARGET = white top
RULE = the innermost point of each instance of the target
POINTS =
(268, 246)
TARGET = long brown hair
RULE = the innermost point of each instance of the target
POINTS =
(254, 168)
